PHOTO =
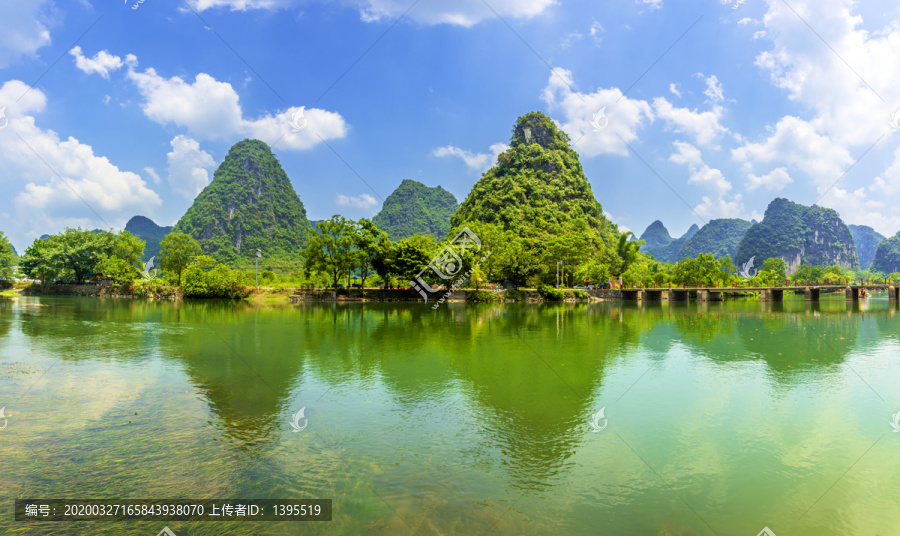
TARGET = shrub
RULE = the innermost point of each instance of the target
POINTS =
(514, 294)
(481, 296)
(267, 277)
(219, 282)
(581, 295)
(549, 293)
(152, 288)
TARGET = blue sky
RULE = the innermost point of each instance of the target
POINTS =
(710, 108)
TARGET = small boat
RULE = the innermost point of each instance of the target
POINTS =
(863, 293)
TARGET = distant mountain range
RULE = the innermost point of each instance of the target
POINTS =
(719, 237)
(148, 231)
(796, 233)
(660, 243)
(866, 240)
(887, 255)
(414, 208)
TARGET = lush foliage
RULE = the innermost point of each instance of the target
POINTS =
(152, 288)
(249, 204)
(331, 248)
(887, 255)
(148, 231)
(705, 269)
(177, 250)
(7, 257)
(866, 240)
(801, 235)
(719, 237)
(203, 278)
(549, 293)
(76, 255)
(537, 189)
(414, 208)
(482, 296)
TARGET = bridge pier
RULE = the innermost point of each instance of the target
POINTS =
(776, 295)
(708, 295)
(852, 294)
(678, 295)
(811, 294)
(632, 294)
(651, 295)
(893, 293)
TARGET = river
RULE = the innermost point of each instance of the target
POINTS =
(717, 418)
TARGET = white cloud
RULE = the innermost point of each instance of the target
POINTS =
(189, 166)
(796, 143)
(153, 174)
(836, 88)
(464, 13)
(239, 5)
(47, 201)
(720, 207)
(687, 154)
(24, 30)
(596, 28)
(570, 39)
(102, 63)
(711, 178)
(674, 89)
(776, 179)
(211, 110)
(704, 126)
(479, 162)
(458, 13)
(654, 4)
(624, 116)
(701, 173)
(362, 201)
(713, 88)
(840, 88)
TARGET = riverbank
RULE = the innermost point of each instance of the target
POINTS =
(98, 291)
(294, 295)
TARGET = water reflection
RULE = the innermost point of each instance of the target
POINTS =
(499, 393)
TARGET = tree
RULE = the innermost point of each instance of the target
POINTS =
(203, 278)
(413, 254)
(592, 272)
(331, 248)
(176, 251)
(7, 258)
(522, 262)
(571, 249)
(383, 261)
(705, 269)
(38, 262)
(366, 241)
(123, 263)
(627, 250)
(776, 267)
(808, 273)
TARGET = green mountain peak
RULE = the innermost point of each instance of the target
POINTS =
(414, 208)
(249, 204)
(537, 188)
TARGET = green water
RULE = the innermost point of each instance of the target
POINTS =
(721, 418)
